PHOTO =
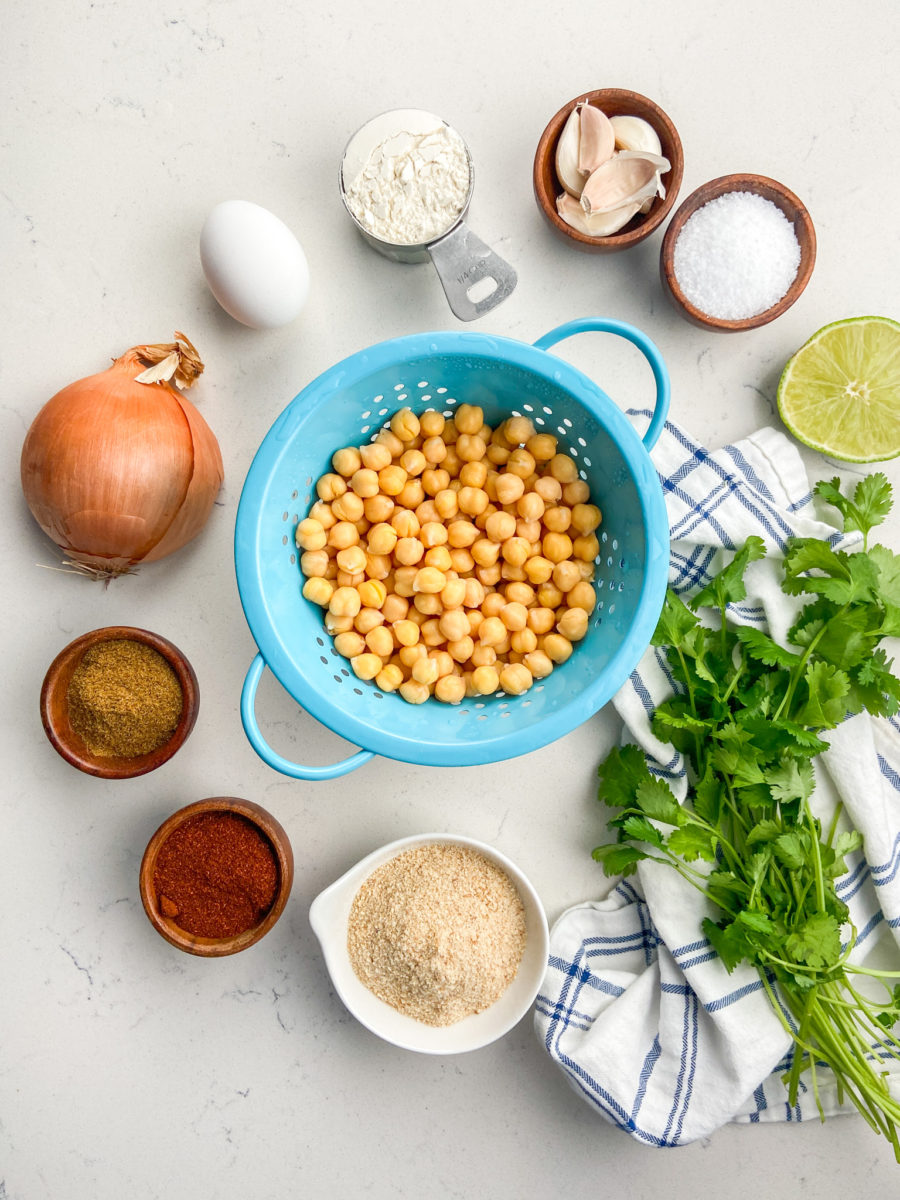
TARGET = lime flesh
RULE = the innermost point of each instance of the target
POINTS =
(840, 393)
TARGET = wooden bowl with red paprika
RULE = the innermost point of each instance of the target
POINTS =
(216, 875)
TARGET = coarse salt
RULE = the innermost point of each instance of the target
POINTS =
(736, 256)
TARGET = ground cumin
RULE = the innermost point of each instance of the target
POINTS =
(437, 932)
(124, 699)
(216, 875)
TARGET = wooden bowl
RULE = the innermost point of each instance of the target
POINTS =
(614, 102)
(55, 709)
(207, 947)
(759, 185)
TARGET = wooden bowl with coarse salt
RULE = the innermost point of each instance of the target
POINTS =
(740, 270)
(331, 916)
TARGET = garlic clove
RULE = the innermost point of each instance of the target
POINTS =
(597, 225)
(634, 133)
(571, 178)
(598, 141)
(628, 177)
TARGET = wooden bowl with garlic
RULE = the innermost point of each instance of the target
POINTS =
(607, 170)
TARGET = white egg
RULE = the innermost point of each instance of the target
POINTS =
(254, 265)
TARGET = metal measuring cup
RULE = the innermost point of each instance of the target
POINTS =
(460, 258)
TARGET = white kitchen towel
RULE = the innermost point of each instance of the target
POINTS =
(636, 1007)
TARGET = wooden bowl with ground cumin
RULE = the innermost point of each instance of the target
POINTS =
(119, 701)
(436, 943)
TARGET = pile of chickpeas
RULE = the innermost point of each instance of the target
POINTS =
(451, 559)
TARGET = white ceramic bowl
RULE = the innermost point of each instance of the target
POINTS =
(329, 916)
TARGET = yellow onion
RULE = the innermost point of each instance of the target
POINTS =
(120, 468)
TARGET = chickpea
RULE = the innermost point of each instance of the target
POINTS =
(510, 487)
(318, 591)
(485, 552)
(368, 619)
(428, 604)
(586, 568)
(557, 519)
(500, 525)
(454, 625)
(372, 593)
(381, 538)
(434, 480)
(335, 624)
(378, 566)
(414, 693)
(403, 581)
(346, 461)
(520, 463)
(469, 419)
(462, 649)
(309, 535)
(394, 446)
(446, 502)
(314, 562)
(489, 576)
(549, 489)
(392, 479)
(472, 501)
(389, 678)
(470, 447)
(349, 644)
(329, 487)
(519, 592)
(485, 680)
(453, 593)
(473, 474)
(515, 551)
(462, 534)
(523, 641)
(516, 679)
(352, 560)
(566, 575)
(483, 656)
(411, 494)
(585, 518)
(576, 492)
(475, 594)
(331, 571)
(342, 535)
(556, 546)
(538, 569)
(514, 616)
(452, 462)
(429, 580)
(364, 483)
(517, 430)
(491, 632)
(433, 533)
(541, 447)
(539, 664)
(375, 456)
(563, 468)
(378, 508)
(348, 507)
(406, 632)
(408, 550)
(349, 578)
(345, 602)
(425, 670)
(530, 506)
(582, 595)
(394, 608)
(430, 633)
(322, 513)
(557, 647)
(380, 641)
(413, 462)
(405, 425)
(549, 596)
(405, 523)
(572, 623)
(438, 556)
(450, 689)
(587, 547)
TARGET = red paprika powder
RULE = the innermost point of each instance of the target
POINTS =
(216, 875)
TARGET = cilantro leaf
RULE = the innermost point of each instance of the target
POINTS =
(656, 800)
(618, 859)
(870, 504)
(728, 586)
(691, 842)
(621, 772)
(639, 829)
(675, 621)
(817, 943)
(826, 706)
(791, 779)
(765, 649)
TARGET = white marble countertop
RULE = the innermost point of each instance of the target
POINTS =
(126, 1067)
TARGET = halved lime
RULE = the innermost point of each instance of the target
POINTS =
(840, 393)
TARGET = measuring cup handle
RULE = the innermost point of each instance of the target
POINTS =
(270, 756)
(643, 343)
(462, 260)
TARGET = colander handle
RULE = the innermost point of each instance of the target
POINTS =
(643, 343)
(272, 757)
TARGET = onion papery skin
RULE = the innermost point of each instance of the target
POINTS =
(118, 472)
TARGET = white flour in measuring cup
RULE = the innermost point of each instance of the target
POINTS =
(413, 183)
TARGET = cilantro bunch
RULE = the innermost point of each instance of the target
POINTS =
(747, 718)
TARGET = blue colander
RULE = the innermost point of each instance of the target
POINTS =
(347, 405)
